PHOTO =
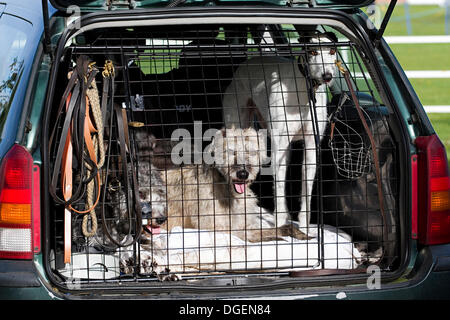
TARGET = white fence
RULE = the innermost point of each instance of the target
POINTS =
(417, 2)
(426, 2)
(416, 39)
(424, 74)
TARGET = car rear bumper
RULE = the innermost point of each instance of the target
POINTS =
(428, 279)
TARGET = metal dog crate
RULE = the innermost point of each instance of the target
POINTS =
(173, 77)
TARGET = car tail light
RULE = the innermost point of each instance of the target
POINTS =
(19, 228)
(433, 192)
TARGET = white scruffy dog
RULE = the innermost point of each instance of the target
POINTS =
(278, 94)
(217, 196)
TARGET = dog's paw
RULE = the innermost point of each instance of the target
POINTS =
(292, 231)
(368, 257)
(148, 265)
(167, 276)
(127, 265)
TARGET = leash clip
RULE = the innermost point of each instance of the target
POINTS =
(108, 70)
(114, 185)
(340, 67)
(91, 66)
(135, 124)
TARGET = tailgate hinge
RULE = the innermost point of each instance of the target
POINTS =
(387, 16)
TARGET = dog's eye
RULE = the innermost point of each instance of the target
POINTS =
(332, 51)
(313, 53)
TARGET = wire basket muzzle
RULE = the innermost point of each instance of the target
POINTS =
(351, 154)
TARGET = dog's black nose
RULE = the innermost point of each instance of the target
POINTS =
(161, 220)
(242, 174)
(327, 77)
(146, 210)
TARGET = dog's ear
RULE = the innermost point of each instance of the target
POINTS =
(304, 39)
(218, 136)
(330, 35)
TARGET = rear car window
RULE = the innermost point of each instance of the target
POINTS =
(13, 39)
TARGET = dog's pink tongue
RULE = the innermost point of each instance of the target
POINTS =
(154, 230)
(239, 187)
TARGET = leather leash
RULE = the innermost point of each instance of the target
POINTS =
(374, 151)
(119, 116)
(75, 100)
(132, 194)
(66, 184)
(75, 139)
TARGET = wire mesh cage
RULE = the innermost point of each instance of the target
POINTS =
(294, 189)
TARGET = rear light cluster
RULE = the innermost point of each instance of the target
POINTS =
(433, 217)
(19, 205)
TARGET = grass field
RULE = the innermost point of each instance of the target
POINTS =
(423, 56)
(425, 20)
(432, 91)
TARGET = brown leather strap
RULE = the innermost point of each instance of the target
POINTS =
(333, 125)
(66, 184)
(71, 142)
(88, 130)
(327, 272)
(374, 151)
(71, 100)
(122, 124)
(74, 116)
(133, 192)
(105, 92)
(66, 173)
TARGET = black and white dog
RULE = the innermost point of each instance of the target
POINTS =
(284, 97)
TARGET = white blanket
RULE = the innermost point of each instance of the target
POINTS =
(192, 250)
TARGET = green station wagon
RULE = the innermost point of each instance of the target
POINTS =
(99, 197)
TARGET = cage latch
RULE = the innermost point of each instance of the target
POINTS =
(131, 4)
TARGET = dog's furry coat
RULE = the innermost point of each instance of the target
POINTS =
(213, 197)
